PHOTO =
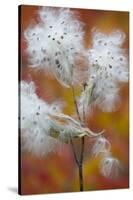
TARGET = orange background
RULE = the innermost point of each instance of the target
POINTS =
(58, 173)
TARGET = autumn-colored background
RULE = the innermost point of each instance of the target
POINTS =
(58, 172)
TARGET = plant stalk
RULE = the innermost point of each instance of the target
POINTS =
(75, 103)
(80, 161)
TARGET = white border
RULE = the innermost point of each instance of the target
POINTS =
(95, 4)
(8, 99)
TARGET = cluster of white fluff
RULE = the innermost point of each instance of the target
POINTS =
(109, 166)
(102, 145)
(44, 127)
(56, 43)
(107, 68)
(35, 121)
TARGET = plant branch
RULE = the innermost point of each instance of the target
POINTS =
(80, 162)
(82, 149)
(74, 153)
(75, 103)
(81, 177)
(84, 115)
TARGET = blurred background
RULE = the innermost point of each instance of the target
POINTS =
(58, 172)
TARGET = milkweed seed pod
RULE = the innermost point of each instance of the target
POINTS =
(55, 43)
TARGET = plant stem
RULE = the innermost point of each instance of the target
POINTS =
(75, 103)
(79, 164)
(74, 153)
(80, 167)
(84, 112)
(84, 115)
(82, 149)
(80, 161)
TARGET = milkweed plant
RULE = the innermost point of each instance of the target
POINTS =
(55, 44)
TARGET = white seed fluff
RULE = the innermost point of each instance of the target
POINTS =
(110, 167)
(102, 145)
(55, 43)
(107, 68)
(41, 133)
(35, 121)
